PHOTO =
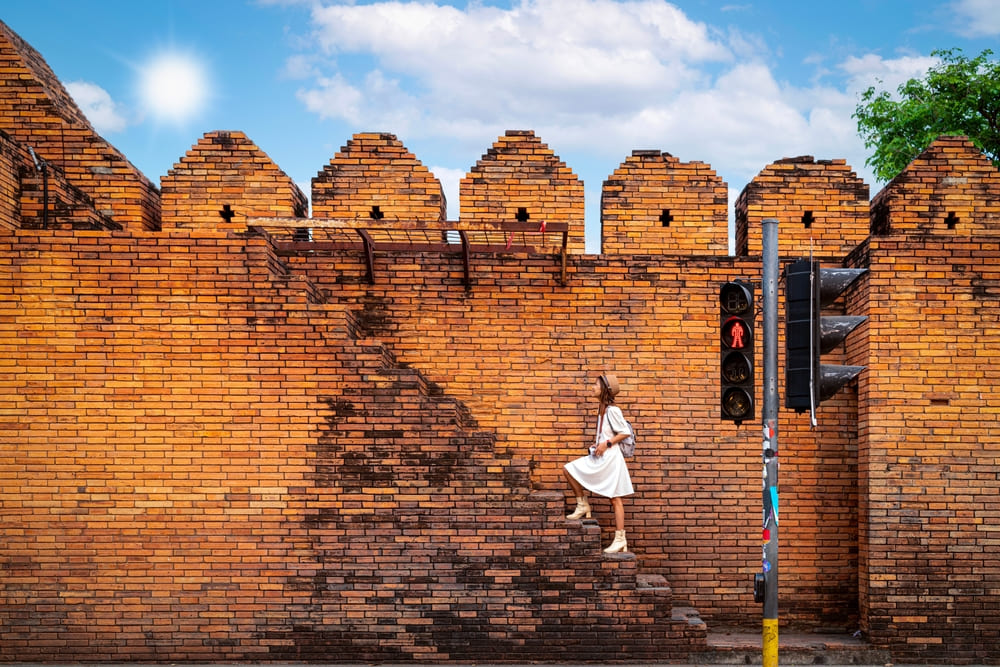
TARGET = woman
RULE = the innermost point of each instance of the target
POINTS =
(604, 472)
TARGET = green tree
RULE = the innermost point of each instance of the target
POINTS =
(958, 96)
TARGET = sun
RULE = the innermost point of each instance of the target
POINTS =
(174, 87)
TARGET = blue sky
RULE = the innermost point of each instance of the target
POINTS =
(737, 85)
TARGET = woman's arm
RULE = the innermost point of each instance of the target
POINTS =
(605, 445)
(615, 420)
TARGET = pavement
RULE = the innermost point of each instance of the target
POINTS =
(743, 647)
(726, 647)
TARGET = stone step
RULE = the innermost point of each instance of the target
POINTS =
(651, 581)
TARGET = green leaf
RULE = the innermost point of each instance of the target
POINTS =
(957, 96)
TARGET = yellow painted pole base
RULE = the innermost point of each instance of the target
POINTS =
(770, 642)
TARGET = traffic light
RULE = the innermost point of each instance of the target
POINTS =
(736, 358)
(809, 334)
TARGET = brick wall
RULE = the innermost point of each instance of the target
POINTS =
(654, 203)
(374, 177)
(928, 566)
(36, 111)
(223, 180)
(520, 178)
(820, 204)
(220, 446)
(206, 465)
(47, 199)
(10, 163)
(931, 570)
(521, 351)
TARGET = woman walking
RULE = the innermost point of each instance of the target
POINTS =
(604, 471)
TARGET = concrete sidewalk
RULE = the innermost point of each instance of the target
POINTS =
(741, 646)
(738, 646)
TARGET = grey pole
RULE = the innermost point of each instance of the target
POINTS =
(770, 446)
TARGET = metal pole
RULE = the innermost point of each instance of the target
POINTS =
(770, 449)
(45, 195)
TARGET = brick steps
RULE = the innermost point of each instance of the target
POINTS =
(304, 287)
(648, 585)
(569, 550)
(460, 528)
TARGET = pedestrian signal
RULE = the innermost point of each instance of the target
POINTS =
(736, 357)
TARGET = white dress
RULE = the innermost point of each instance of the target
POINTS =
(605, 475)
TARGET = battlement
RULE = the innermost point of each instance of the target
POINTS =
(37, 112)
(374, 177)
(654, 203)
(951, 189)
(35, 193)
(821, 206)
(520, 178)
(223, 180)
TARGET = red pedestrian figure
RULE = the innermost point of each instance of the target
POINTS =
(736, 332)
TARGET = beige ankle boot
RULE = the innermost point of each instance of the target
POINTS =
(620, 544)
(582, 509)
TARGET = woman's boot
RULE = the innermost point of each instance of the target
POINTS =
(582, 509)
(620, 544)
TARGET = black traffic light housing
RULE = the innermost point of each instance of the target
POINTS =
(736, 359)
(810, 334)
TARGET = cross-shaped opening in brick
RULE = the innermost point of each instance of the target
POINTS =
(227, 213)
(808, 219)
(522, 215)
(666, 218)
(951, 220)
(376, 213)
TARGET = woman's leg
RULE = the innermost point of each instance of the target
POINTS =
(582, 510)
(575, 485)
(619, 513)
(620, 543)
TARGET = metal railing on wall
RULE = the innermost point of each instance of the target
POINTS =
(302, 236)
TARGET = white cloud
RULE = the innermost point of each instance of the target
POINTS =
(594, 79)
(977, 18)
(95, 102)
(299, 67)
(512, 66)
(333, 97)
(873, 70)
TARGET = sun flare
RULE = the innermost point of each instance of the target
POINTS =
(174, 87)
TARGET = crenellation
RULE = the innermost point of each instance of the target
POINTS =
(822, 208)
(37, 111)
(225, 169)
(950, 188)
(653, 203)
(520, 172)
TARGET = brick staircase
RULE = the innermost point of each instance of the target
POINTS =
(427, 544)
(431, 546)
